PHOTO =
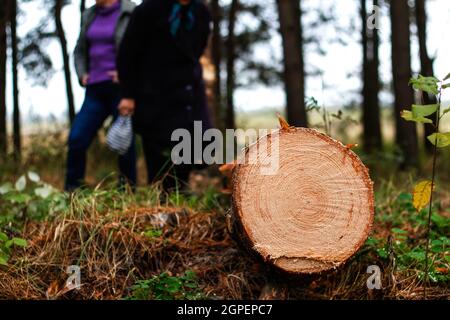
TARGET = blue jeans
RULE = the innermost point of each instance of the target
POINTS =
(101, 101)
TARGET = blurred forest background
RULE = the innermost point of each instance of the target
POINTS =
(258, 49)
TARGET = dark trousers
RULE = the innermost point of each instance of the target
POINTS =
(160, 167)
(101, 101)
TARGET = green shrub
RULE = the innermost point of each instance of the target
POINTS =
(166, 287)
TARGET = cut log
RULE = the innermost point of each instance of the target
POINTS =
(312, 213)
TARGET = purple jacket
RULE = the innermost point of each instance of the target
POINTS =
(81, 53)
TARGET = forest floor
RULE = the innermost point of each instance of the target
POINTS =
(149, 245)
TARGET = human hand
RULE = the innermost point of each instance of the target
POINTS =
(114, 76)
(84, 80)
(126, 107)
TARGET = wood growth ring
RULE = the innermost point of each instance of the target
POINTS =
(315, 212)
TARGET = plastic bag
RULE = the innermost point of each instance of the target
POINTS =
(120, 135)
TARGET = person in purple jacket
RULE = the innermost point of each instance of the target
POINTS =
(102, 30)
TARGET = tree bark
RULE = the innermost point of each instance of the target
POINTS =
(305, 220)
(371, 84)
(426, 64)
(406, 133)
(65, 55)
(17, 138)
(3, 61)
(291, 30)
(82, 6)
(231, 58)
(216, 44)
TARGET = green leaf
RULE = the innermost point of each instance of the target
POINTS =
(426, 84)
(5, 188)
(440, 221)
(33, 176)
(438, 249)
(446, 86)
(153, 233)
(43, 192)
(400, 231)
(445, 241)
(447, 77)
(8, 244)
(382, 253)
(4, 260)
(416, 255)
(372, 241)
(404, 196)
(437, 242)
(19, 242)
(409, 116)
(21, 184)
(442, 139)
(424, 110)
(18, 198)
(446, 111)
(3, 237)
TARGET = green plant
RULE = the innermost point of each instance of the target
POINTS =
(153, 233)
(327, 117)
(423, 192)
(29, 198)
(6, 245)
(166, 287)
(208, 200)
(403, 250)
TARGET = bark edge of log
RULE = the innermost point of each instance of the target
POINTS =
(284, 264)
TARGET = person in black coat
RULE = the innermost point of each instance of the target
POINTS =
(161, 79)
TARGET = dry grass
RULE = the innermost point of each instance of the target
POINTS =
(113, 251)
(108, 242)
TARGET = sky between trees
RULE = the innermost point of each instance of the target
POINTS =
(341, 64)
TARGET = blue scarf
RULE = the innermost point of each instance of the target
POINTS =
(177, 15)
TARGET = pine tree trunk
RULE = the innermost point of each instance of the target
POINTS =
(290, 17)
(371, 84)
(406, 133)
(16, 108)
(82, 6)
(426, 64)
(312, 211)
(3, 60)
(65, 55)
(216, 44)
(231, 58)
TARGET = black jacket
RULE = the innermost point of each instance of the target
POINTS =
(162, 72)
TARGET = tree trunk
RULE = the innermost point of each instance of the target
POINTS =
(290, 17)
(3, 48)
(231, 58)
(216, 44)
(371, 84)
(16, 109)
(426, 64)
(406, 133)
(309, 208)
(82, 6)
(65, 55)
